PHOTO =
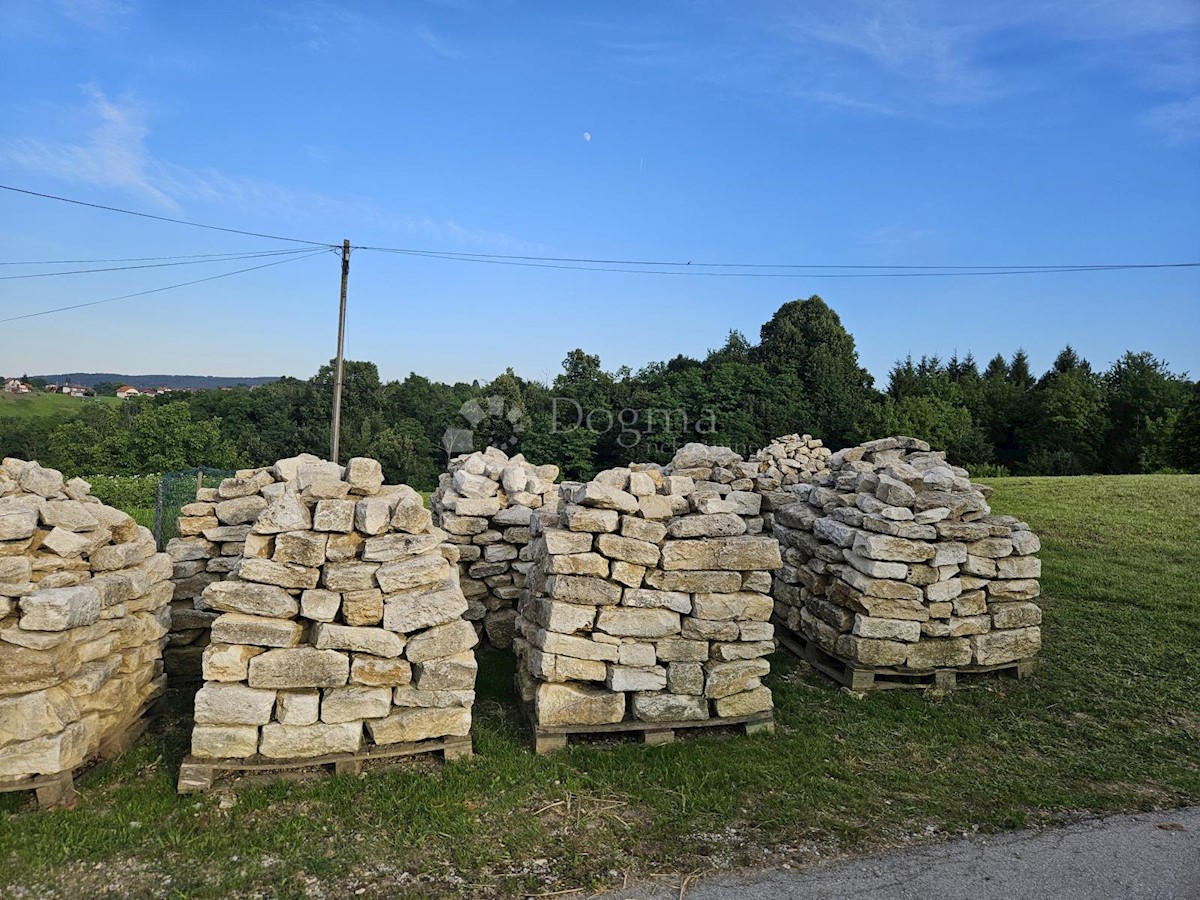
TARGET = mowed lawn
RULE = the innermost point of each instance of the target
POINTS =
(1110, 722)
(28, 406)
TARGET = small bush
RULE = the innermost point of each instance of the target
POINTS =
(125, 492)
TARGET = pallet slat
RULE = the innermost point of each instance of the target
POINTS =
(549, 738)
(58, 791)
(889, 678)
(200, 773)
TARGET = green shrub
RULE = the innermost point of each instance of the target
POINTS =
(125, 492)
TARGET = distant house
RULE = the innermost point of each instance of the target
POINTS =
(125, 392)
(16, 386)
(74, 390)
(51, 389)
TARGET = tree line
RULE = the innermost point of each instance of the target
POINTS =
(802, 375)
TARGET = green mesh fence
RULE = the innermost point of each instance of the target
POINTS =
(176, 489)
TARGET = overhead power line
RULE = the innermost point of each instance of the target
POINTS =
(125, 259)
(130, 212)
(169, 287)
(159, 265)
(456, 254)
(682, 269)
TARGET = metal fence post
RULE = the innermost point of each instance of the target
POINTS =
(158, 512)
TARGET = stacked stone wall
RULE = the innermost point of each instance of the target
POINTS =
(485, 503)
(649, 598)
(340, 626)
(894, 559)
(84, 611)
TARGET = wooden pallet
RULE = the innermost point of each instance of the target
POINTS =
(548, 738)
(198, 773)
(858, 677)
(58, 791)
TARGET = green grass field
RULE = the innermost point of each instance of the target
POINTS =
(32, 405)
(1110, 722)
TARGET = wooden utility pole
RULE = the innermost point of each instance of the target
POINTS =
(336, 430)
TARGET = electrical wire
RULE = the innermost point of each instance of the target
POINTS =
(130, 212)
(949, 271)
(124, 259)
(278, 262)
(464, 256)
(188, 262)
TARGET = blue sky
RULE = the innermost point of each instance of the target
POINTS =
(889, 133)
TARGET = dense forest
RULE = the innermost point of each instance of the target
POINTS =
(802, 375)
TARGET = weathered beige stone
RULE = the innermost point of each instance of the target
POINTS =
(353, 703)
(723, 679)
(302, 548)
(240, 510)
(449, 673)
(410, 725)
(362, 607)
(631, 550)
(743, 605)
(442, 640)
(320, 605)
(415, 610)
(412, 574)
(228, 662)
(747, 703)
(334, 515)
(376, 671)
(729, 553)
(1006, 645)
(297, 707)
(260, 631)
(299, 667)
(250, 598)
(233, 704)
(58, 609)
(299, 742)
(285, 575)
(376, 641)
(575, 704)
(349, 576)
(587, 519)
(1015, 615)
(24, 717)
(224, 741)
(645, 598)
(935, 652)
(643, 623)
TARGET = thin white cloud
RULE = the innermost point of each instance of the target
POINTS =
(1178, 122)
(100, 15)
(436, 44)
(115, 156)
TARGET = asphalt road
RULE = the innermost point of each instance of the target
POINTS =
(1154, 856)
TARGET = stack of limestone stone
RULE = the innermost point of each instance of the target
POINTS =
(650, 599)
(782, 464)
(212, 533)
(484, 504)
(84, 610)
(342, 613)
(895, 560)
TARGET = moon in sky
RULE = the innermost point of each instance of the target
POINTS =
(587, 135)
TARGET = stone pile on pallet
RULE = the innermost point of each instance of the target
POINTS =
(782, 464)
(342, 614)
(212, 532)
(84, 611)
(484, 503)
(648, 606)
(893, 562)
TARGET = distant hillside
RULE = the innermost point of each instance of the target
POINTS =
(175, 382)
